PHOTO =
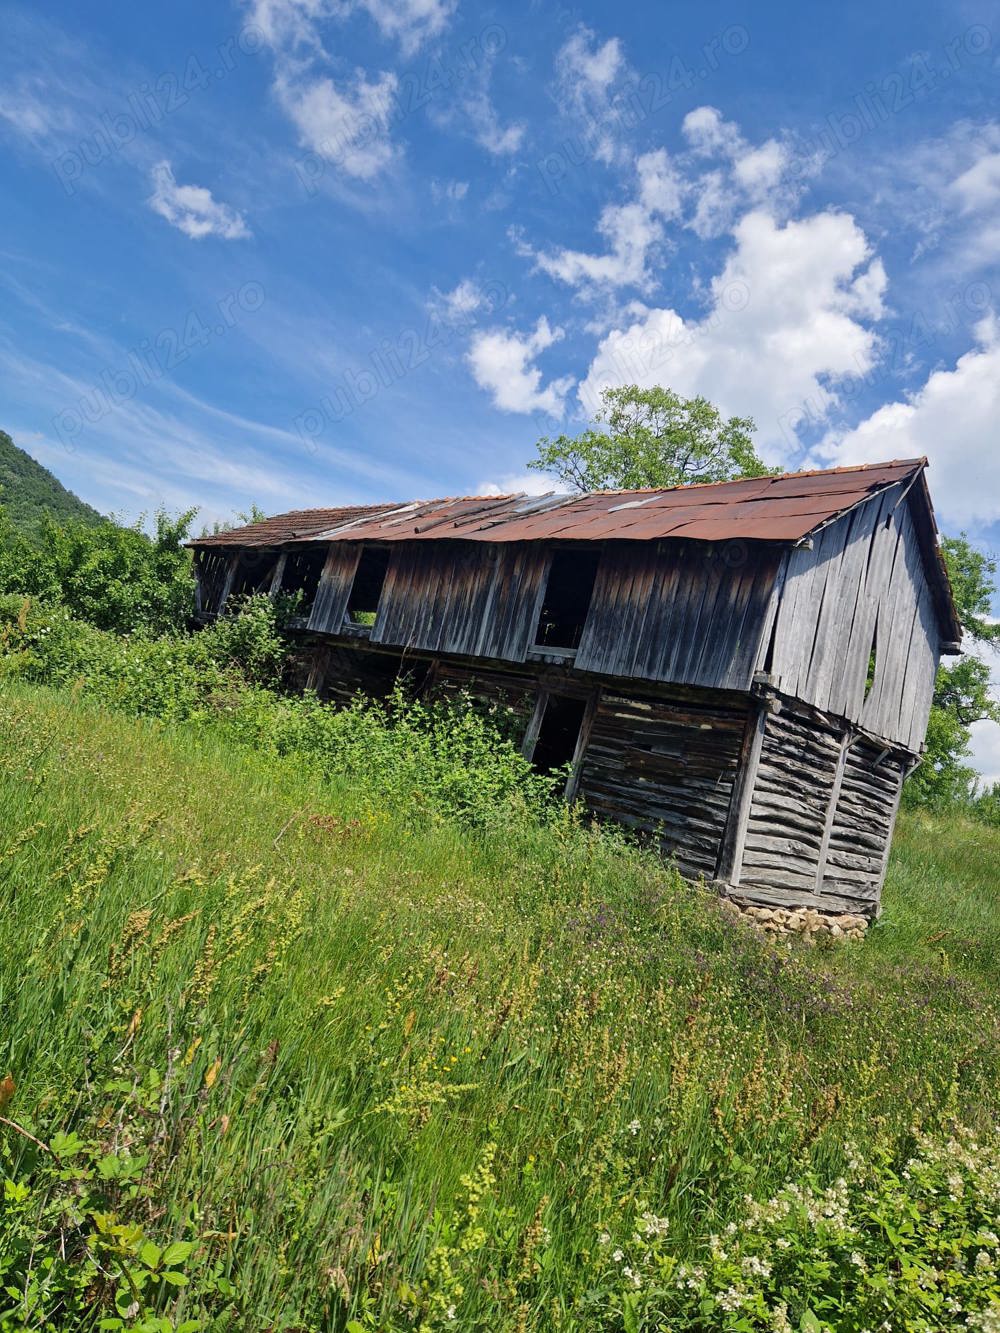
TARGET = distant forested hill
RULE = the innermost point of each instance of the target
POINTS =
(30, 493)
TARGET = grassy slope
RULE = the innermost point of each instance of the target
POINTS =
(347, 1010)
(30, 493)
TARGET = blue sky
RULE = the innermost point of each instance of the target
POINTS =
(299, 252)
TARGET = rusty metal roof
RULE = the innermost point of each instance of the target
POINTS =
(298, 525)
(785, 508)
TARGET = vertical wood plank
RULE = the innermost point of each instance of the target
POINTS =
(730, 862)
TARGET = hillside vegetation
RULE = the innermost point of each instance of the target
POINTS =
(31, 494)
(293, 1046)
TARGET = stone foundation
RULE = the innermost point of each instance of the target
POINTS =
(805, 922)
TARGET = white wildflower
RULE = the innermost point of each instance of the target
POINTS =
(753, 1266)
(733, 1299)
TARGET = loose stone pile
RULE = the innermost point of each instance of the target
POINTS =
(804, 921)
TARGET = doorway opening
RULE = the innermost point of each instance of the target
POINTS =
(559, 733)
(568, 595)
(369, 579)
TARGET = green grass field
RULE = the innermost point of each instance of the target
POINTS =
(280, 1060)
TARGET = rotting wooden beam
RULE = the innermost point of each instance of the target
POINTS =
(535, 725)
(278, 575)
(730, 859)
(227, 587)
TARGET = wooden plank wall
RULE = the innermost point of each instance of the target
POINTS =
(692, 613)
(330, 606)
(795, 779)
(472, 599)
(666, 768)
(863, 571)
(862, 827)
(820, 825)
(511, 695)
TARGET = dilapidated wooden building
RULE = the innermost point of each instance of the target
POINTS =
(742, 670)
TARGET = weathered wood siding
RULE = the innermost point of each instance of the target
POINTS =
(330, 606)
(794, 782)
(821, 818)
(511, 695)
(862, 827)
(692, 613)
(864, 579)
(471, 599)
(666, 768)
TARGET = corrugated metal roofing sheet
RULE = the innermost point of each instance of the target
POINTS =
(298, 525)
(783, 508)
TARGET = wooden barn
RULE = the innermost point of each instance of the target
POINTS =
(742, 670)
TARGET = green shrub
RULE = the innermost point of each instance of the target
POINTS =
(444, 759)
(113, 577)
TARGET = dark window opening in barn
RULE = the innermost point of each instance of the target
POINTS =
(253, 573)
(568, 594)
(303, 571)
(872, 664)
(559, 732)
(369, 579)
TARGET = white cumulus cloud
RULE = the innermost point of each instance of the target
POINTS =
(345, 117)
(634, 232)
(347, 123)
(192, 209)
(510, 483)
(953, 420)
(785, 323)
(502, 362)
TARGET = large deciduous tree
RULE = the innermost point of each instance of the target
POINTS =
(651, 437)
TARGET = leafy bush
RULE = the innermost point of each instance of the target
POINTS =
(115, 578)
(443, 758)
(911, 1246)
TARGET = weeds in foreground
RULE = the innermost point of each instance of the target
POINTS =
(292, 1058)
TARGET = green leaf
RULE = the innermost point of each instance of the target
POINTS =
(810, 1323)
(150, 1254)
(177, 1252)
(174, 1279)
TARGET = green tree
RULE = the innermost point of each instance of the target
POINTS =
(962, 690)
(117, 578)
(652, 437)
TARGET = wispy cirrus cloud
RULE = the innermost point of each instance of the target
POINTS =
(588, 75)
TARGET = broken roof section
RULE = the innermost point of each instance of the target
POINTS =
(784, 508)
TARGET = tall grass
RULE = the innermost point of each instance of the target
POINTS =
(365, 1068)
